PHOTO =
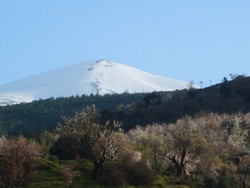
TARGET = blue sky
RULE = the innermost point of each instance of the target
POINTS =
(187, 40)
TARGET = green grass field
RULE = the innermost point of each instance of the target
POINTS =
(50, 174)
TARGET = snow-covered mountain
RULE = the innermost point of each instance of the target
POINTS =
(102, 77)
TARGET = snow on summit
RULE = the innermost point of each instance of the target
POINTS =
(102, 77)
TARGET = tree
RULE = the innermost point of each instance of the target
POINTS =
(226, 89)
(101, 142)
(244, 169)
(226, 179)
(190, 85)
(212, 148)
(183, 140)
(45, 142)
(18, 161)
(156, 143)
(151, 139)
(152, 99)
(225, 142)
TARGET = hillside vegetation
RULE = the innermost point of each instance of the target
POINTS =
(226, 97)
(31, 118)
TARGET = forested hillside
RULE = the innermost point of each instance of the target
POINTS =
(31, 118)
(226, 97)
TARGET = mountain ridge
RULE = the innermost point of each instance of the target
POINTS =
(99, 77)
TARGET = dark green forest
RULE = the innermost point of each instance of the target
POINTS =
(31, 118)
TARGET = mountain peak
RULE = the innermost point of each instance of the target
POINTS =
(99, 77)
(103, 61)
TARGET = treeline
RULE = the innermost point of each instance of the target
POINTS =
(31, 118)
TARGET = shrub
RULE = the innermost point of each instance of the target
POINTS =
(121, 173)
(69, 174)
(226, 179)
(114, 176)
(140, 174)
(18, 161)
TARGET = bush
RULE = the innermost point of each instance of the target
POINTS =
(18, 161)
(226, 179)
(120, 174)
(69, 174)
(114, 176)
(209, 182)
(67, 148)
(139, 174)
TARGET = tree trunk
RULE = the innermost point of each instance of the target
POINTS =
(184, 171)
(97, 167)
(180, 167)
(244, 180)
(178, 171)
(95, 170)
(177, 166)
(156, 163)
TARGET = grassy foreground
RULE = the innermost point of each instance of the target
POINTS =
(50, 174)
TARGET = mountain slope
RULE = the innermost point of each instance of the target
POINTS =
(100, 77)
